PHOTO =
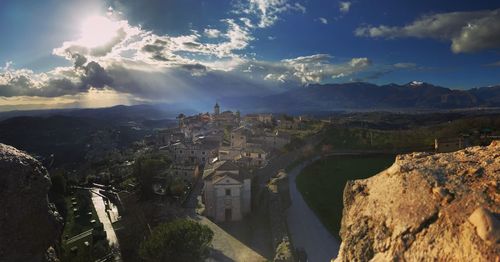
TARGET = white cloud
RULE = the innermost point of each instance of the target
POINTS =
(323, 20)
(344, 7)
(211, 33)
(147, 66)
(405, 65)
(468, 31)
(306, 69)
(267, 11)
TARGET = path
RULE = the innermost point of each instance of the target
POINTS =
(100, 209)
(226, 247)
(306, 229)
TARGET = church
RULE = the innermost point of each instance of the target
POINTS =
(226, 117)
(226, 191)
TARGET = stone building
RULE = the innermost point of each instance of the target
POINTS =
(194, 153)
(226, 191)
(252, 157)
(444, 145)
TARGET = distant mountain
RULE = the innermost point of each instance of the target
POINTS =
(363, 96)
(70, 134)
(119, 113)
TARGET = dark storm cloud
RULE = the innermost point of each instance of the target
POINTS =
(95, 76)
(79, 60)
(25, 84)
(153, 48)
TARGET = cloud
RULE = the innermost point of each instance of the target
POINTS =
(267, 11)
(119, 30)
(211, 33)
(323, 20)
(344, 7)
(468, 31)
(306, 69)
(204, 65)
(405, 65)
(56, 83)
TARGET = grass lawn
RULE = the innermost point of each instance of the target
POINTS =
(322, 183)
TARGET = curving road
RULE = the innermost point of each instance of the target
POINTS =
(306, 229)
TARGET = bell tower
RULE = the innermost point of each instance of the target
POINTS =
(216, 109)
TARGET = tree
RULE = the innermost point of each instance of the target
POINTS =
(58, 183)
(58, 191)
(145, 169)
(180, 240)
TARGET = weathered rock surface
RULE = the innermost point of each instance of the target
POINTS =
(29, 225)
(426, 207)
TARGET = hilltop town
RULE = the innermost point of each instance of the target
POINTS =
(261, 182)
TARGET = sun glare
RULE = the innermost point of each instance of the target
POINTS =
(97, 31)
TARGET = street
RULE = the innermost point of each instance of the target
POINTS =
(306, 229)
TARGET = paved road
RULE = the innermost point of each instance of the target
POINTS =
(103, 217)
(306, 229)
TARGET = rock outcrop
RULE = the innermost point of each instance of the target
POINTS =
(426, 207)
(29, 225)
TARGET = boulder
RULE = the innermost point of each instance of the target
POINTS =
(29, 224)
(426, 207)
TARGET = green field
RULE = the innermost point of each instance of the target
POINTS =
(322, 183)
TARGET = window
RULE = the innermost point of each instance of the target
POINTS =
(248, 154)
(260, 155)
(192, 152)
(203, 152)
(228, 192)
(180, 151)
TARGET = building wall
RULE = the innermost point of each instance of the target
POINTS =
(194, 155)
(258, 159)
(247, 197)
(216, 200)
(223, 202)
(208, 198)
(238, 140)
(449, 145)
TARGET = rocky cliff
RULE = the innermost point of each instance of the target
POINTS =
(29, 225)
(426, 207)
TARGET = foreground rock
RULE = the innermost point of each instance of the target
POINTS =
(29, 225)
(426, 206)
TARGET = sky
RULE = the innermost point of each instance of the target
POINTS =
(94, 53)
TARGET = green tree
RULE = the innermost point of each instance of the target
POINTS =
(58, 183)
(58, 191)
(145, 169)
(180, 240)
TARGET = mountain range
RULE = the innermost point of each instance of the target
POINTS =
(366, 96)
